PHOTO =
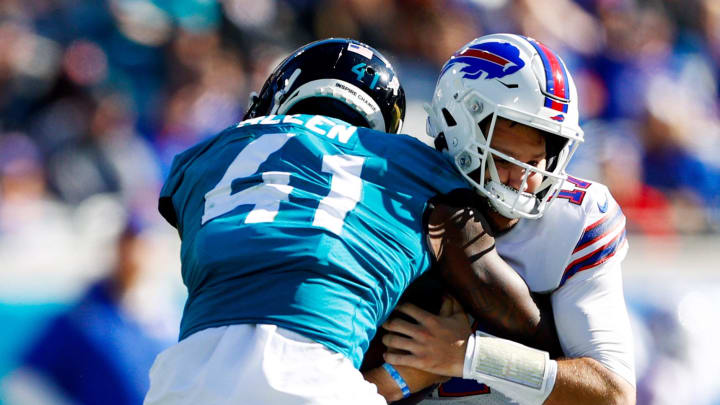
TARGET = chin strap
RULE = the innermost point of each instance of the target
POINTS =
(520, 372)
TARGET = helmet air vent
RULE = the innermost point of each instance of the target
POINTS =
(448, 118)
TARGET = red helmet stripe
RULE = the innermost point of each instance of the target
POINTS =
(490, 57)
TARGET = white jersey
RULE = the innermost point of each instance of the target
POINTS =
(572, 252)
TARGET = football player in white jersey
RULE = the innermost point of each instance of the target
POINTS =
(505, 112)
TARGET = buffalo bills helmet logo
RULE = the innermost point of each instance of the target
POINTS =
(496, 59)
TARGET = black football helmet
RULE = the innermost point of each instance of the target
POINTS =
(339, 78)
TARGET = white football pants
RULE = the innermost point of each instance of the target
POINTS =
(255, 365)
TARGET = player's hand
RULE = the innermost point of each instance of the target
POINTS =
(436, 344)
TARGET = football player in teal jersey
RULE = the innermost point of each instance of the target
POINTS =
(301, 227)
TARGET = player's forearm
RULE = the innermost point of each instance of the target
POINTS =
(528, 376)
(415, 379)
(498, 297)
(482, 281)
(586, 381)
(386, 386)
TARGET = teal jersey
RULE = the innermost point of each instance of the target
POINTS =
(304, 222)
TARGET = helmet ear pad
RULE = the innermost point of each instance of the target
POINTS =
(329, 107)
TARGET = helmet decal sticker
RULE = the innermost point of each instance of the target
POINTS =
(360, 69)
(495, 59)
(366, 52)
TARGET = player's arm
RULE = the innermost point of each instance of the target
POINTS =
(592, 318)
(595, 332)
(486, 286)
(418, 382)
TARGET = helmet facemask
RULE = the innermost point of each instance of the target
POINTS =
(520, 203)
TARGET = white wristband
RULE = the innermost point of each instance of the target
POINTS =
(520, 372)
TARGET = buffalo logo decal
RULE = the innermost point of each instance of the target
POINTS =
(494, 59)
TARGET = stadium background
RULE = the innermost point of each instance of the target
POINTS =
(96, 97)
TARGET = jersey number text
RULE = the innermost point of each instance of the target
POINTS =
(345, 186)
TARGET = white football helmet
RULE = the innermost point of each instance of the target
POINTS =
(517, 78)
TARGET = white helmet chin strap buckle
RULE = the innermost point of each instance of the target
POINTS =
(509, 202)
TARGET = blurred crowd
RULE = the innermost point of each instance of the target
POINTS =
(96, 97)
